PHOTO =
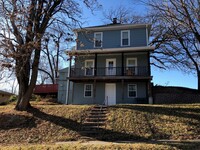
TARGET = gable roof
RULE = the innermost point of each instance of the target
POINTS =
(114, 27)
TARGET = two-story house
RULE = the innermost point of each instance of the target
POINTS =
(111, 65)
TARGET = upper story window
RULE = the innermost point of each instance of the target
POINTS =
(89, 67)
(98, 39)
(125, 38)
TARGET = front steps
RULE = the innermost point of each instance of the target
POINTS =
(94, 122)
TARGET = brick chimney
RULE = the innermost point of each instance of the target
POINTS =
(114, 20)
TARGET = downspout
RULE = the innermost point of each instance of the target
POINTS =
(149, 88)
(68, 82)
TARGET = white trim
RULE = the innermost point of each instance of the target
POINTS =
(147, 36)
(111, 50)
(132, 58)
(114, 90)
(91, 91)
(135, 91)
(87, 60)
(128, 31)
(101, 33)
(114, 66)
(119, 27)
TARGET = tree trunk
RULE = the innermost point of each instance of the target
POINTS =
(198, 80)
(26, 85)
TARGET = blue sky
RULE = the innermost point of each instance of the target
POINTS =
(160, 77)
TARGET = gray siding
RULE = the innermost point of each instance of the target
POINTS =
(142, 59)
(78, 95)
(112, 39)
(62, 87)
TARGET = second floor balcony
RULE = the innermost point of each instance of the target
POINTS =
(142, 71)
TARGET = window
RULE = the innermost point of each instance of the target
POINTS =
(88, 90)
(132, 90)
(89, 67)
(131, 66)
(98, 39)
(125, 38)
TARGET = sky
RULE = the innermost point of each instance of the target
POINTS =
(160, 77)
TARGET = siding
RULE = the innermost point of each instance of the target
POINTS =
(62, 87)
(112, 39)
(78, 95)
(142, 59)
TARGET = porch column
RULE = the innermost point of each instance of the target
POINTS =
(94, 92)
(70, 63)
(123, 90)
(150, 95)
(122, 64)
(95, 65)
(149, 67)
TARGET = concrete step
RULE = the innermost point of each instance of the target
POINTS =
(95, 119)
(98, 110)
(94, 123)
(92, 128)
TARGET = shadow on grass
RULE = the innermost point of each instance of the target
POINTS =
(12, 121)
(105, 135)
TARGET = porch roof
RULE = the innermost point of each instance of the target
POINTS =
(110, 50)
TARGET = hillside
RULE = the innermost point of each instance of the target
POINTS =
(56, 123)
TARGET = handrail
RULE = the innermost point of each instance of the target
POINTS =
(111, 71)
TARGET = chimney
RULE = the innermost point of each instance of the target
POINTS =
(114, 20)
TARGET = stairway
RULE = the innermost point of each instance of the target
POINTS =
(94, 122)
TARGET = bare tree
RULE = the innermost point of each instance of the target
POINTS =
(53, 54)
(23, 25)
(124, 15)
(176, 34)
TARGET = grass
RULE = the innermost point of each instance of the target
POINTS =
(104, 146)
(172, 122)
(47, 124)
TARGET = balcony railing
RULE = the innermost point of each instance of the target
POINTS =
(110, 71)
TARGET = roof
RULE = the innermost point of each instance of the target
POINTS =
(111, 50)
(7, 93)
(114, 27)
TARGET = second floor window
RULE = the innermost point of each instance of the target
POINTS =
(98, 39)
(89, 67)
(125, 38)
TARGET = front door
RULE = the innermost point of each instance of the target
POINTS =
(110, 67)
(110, 93)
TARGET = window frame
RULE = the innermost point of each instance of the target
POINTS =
(136, 65)
(95, 33)
(132, 90)
(85, 85)
(86, 67)
(122, 31)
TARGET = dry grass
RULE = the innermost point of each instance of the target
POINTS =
(47, 124)
(177, 122)
(42, 124)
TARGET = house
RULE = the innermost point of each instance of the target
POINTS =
(63, 83)
(4, 96)
(111, 65)
(46, 90)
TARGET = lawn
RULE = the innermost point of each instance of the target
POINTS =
(45, 125)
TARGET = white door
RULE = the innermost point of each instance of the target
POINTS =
(110, 67)
(110, 93)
